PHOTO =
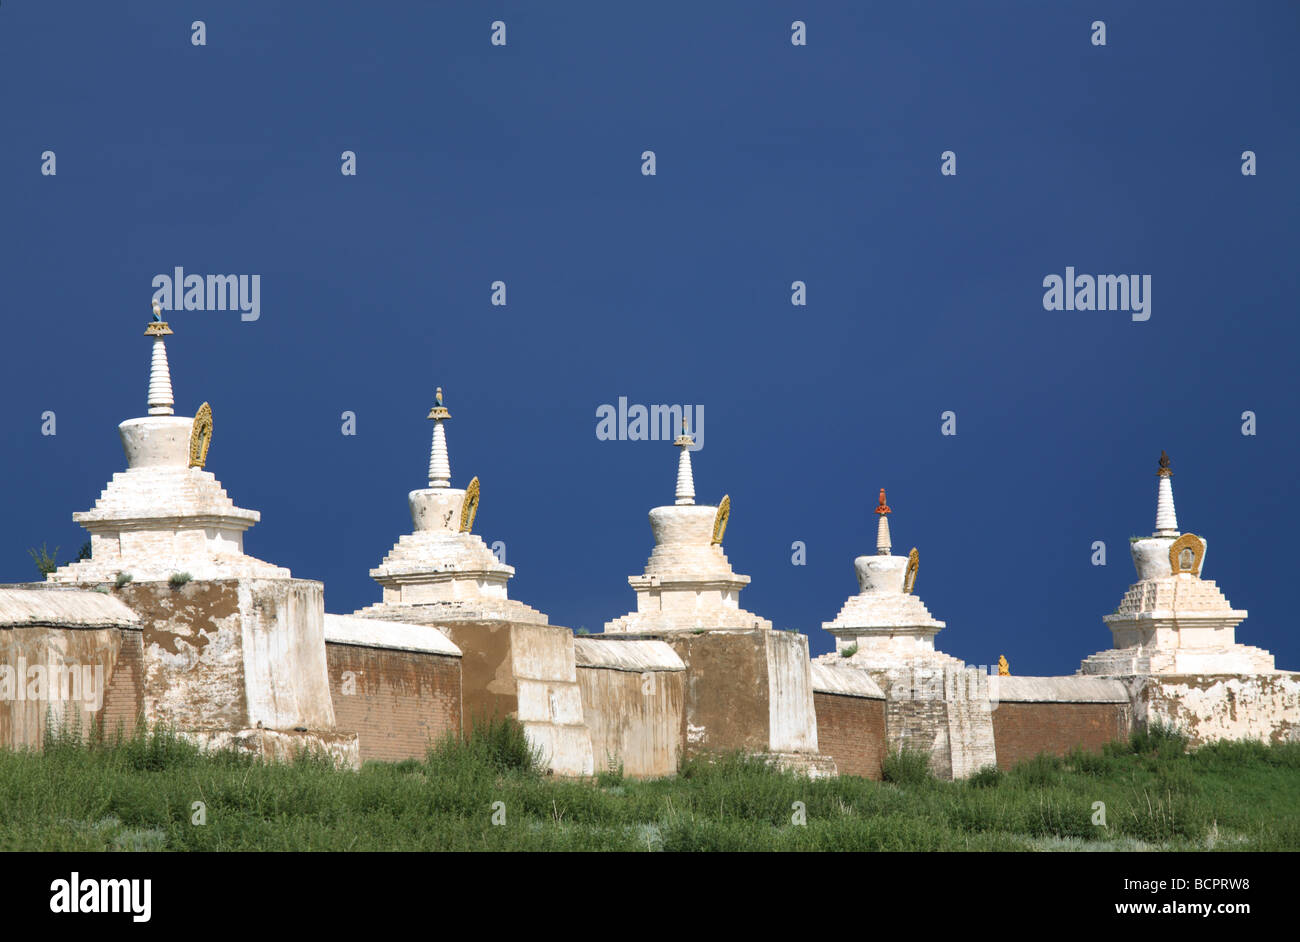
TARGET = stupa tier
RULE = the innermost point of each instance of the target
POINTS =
(442, 571)
(885, 625)
(688, 584)
(1172, 621)
(165, 515)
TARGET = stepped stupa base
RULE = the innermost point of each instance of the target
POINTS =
(1141, 661)
(455, 610)
(664, 623)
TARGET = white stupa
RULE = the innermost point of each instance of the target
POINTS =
(443, 571)
(688, 584)
(1171, 621)
(165, 515)
(885, 625)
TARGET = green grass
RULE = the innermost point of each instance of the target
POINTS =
(138, 793)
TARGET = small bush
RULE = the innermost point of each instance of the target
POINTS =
(989, 776)
(907, 767)
(46, 562)
(851, 650)
(1042, 770)
(1089, 763)
(612, 773)
(1159, 739)
(122, 579)
(179, 579)
(498, 744)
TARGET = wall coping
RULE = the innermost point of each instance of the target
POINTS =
(1066, 689)
(387, 635)
(626, 655)
(844, 680)
(40, 606)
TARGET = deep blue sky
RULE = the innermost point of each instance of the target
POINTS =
(775, 163)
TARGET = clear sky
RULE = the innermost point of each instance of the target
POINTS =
(775, 163)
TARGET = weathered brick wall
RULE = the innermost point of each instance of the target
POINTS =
(635, 719)
(851, 730)
(232, 654)
(106, 662)
(920, 725)
(399, 702)
(1224, 706)
(124, 699)
(1023, 730)
(727, 705)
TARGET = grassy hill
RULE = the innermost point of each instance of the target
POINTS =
(140, 794)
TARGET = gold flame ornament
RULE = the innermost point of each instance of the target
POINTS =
(200, 436)
(720, 519)
(469, 507)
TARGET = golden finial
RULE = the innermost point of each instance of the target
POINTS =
(881, 506)
(1165, 471)
(1004, 669)
(684, 439)
(157, 327)
(439, 411)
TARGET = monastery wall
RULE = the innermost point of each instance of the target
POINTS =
(1225, 706)
(526, 671)
(632, 699)
(239, 662)
(396, 686)
(69, 657)
(1033, 715)
(850, 719)
(726, 709)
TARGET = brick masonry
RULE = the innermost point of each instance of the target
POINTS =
(1023, 730)
(398, 702)
(851, 730)
(124, 699)
(113, 656)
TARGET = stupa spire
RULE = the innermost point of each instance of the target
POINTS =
(439, 463)
(1166, 517)
(685, 479)
(160, 377)
(883, 547)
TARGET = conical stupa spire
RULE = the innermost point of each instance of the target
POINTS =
(439, 463)
(1166, 517)
(883, 547)
(160, 377)
(685, 479)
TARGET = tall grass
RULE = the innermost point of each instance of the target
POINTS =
(486, 792)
